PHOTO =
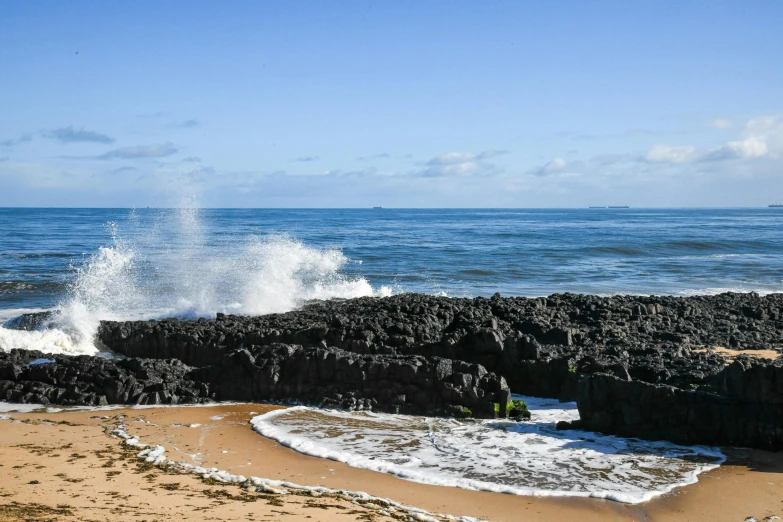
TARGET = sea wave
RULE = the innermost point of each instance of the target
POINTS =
(173, 270)
(523, 458)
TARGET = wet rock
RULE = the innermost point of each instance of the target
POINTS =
(743, 406)
(528, 341)
(329, 376)
(32, 321)
(444, 354)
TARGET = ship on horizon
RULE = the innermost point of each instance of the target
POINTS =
(776, 205)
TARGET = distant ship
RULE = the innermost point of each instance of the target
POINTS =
(618, 206)
(777, 205)
(377, 207)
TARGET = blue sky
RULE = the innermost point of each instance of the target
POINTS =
(401, 104)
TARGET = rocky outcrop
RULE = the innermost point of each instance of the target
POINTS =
(742, 406)
(326, 376)
(32, 321)
(541, 346)
(629, 361)
(397, 384)
(34, 377)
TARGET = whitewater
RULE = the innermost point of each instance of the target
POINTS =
(521, 458)
(170, 267)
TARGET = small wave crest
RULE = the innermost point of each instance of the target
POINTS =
(170, 269)
(624, 251)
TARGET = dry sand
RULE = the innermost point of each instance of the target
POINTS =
(730, 354)
(65, 466)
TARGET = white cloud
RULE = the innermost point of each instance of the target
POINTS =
(670, 154)
(768, 130)
(453, 158)
(461, 164)
(762, 137)
(752, 147)
(141, 151)
(555, 166)
(721, 123)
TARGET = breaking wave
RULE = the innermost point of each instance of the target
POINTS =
(168, 268)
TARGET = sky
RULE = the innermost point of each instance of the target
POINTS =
(395, 103)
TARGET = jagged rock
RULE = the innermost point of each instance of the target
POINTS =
(418, 345)
(744, 407)
(94, 381)
(32, 321)
(541, 346)
(331, 376)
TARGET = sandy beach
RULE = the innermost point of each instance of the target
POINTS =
(67, 466)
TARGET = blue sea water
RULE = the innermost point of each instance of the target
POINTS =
(126, 263)
(459, 252)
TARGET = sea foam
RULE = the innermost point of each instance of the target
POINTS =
(523, 458)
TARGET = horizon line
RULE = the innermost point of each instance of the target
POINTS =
(604, 207)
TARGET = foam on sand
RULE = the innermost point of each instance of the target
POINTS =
(156, 455)
(523, 458)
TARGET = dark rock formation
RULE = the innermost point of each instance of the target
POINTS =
(34, 377)
(629, 361)
(327, 376)
(541, 346)
(744, 408)
(399, 384)
(32, 321)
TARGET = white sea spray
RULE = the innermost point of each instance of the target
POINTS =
(171, 269)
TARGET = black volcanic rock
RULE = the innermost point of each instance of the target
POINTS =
(627, 360)
(335, 377)
(34, 377)
(541, 346)
(32, 321)
(743, 407)
(328, 376)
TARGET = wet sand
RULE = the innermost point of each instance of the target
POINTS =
(44, 448)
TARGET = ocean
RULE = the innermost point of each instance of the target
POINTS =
(455, 252)
(93, 264)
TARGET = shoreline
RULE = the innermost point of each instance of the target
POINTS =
(455, 357)
(221, 436)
